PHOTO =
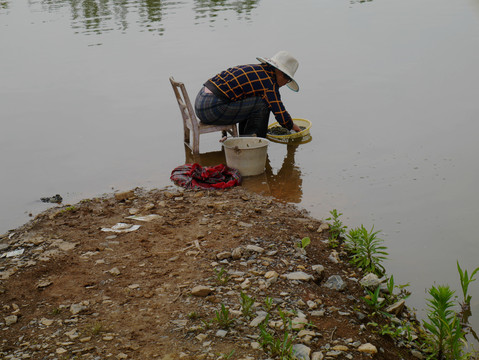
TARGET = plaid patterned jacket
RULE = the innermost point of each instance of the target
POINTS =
(242, 81)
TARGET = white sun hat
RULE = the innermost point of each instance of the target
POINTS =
(286, 63)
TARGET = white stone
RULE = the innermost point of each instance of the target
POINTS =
(255, 248)
(201, 291)
(298, 323)
(318, 355)
(46, 322)
(10, 320)
(298, 275)
(301, 352)
(368, 348)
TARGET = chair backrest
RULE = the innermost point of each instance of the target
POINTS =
(187, 111)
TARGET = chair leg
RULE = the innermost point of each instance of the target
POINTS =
(196, 144)
(186, 135)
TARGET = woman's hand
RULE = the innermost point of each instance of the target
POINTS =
(296, 128)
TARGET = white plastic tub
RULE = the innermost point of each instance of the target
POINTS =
(247, 154)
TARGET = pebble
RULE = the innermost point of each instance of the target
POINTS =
(255, 248)
(370, 281)
(335, 282)
(201, 291)
(10, 320)
(368, 348)
(301, 352)
(298, 275)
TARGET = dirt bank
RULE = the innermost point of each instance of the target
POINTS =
(70, 289)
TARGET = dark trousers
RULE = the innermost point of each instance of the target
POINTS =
(251, 114)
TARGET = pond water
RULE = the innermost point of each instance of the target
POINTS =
(390, 86)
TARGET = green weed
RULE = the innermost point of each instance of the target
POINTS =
(304, 243)
(446, 336)
(366, 249)
(465, 281)
(336, 229)
(222, 276)
(374, 300)
(276, 346)
(246, 305)
(268, 304)
(223, 317)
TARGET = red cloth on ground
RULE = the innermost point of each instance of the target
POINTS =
(193, 176)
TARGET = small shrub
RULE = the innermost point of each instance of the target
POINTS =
(366, 249)
(246, 304)
(336, 229)
(223, 317)
(446, 336)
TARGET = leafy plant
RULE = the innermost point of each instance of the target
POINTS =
(246, 304)
(367, 251)
(391, 286)
(97, 328)
(278, 347)
(374, 300)
(465, 281)
(223, 317)
(193, 315)
(268, 304)
(304, 243)
(222, 276)
(337, 229)
(446, 336)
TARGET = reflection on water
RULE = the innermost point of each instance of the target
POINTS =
(210, 9)
(104, 16)
(284, 184)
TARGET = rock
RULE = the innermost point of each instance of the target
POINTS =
(271, 274)
(298, 275)
(46, 322)
(312, 304)
(258, 320)
(10, 320)
(334, 257)
(322, 227)
(245, 284)
(255, 345)
(396, 308)
(298, 323)
(223, 255)
(55, 199)
(304, 333)
(221, 333)
(318, 355)
(417, 354)
(340, 348)
(61, 351)
(368, 349)
(254, 248)
(77, 308)
(370, 281)
(335, 282)
(319, 269)
(237, 253)
(44, 283)
(246, 225)
(115, 271)
(201, 291)
(125, 195)
(301, 352)
(64, 245)
(317, 313)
